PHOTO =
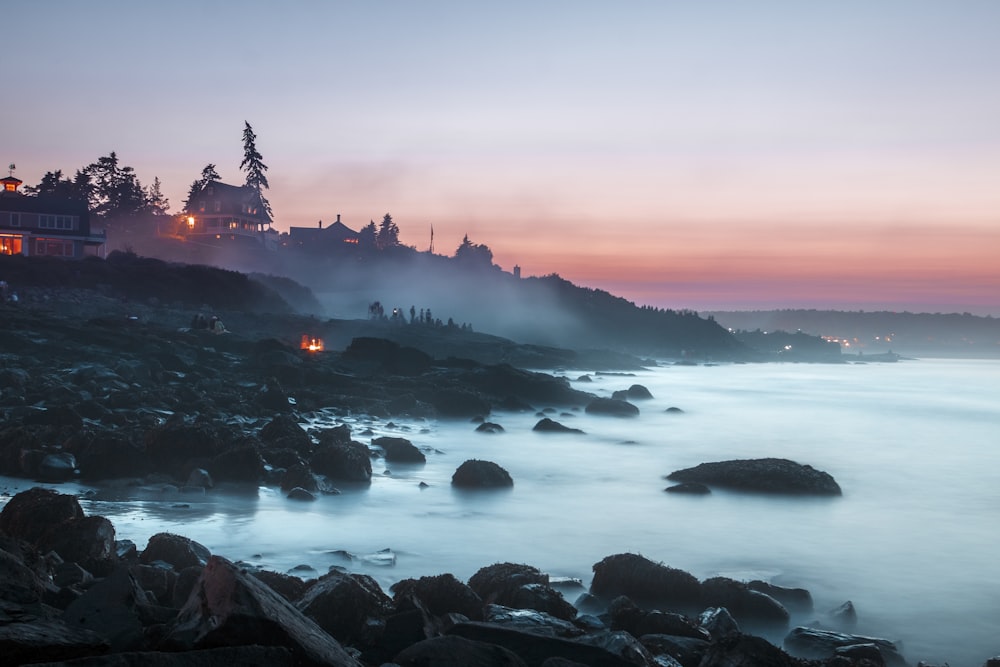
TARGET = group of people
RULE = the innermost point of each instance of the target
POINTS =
(202, 323)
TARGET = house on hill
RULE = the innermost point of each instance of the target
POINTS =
(319, 240)
(44, 225)
(227, 214)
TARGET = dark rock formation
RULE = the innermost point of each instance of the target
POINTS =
(750, 608)
(691, 488)
(440, 595)
(348, 606)
(612, 407)
(761, 475)
(177, 550)
(349, 462)
(489, 428)
(399, 450)
(456, 650)
(476, 474)
(793, 599)
(645, 582)
(816, 643)
(546, 425)
(534, 649)
(459, 404)
(32, 515)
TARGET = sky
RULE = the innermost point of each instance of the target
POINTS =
(708, 155)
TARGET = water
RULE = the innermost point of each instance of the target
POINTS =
(913, 542)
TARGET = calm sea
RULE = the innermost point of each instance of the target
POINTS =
(913, 542)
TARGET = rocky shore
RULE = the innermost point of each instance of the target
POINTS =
(94, 387)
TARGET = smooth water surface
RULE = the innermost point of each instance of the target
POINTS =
(913, 542)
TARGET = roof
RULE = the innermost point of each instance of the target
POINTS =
(233, 200)
(337, 231)
(21, 203)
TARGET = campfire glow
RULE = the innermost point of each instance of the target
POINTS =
(311, 344)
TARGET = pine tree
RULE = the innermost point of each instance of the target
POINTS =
(388, 233)
(208, 174)
(155, 201)
(254, 166)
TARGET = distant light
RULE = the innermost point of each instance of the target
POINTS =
(788, 347)
(191, 221)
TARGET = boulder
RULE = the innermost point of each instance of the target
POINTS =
(531, 620)
(718, 622)
(399, 450)
(476, 474)
(351, 607)
(647, 583)
(499, 582)
(489, 428)
(231, 608)
(284, 432)
(534, 649)
(57, 467)
(688, 651)
(844, 617)
(747, 650)
(638, 392)
(113, 608)
(507, 381)
(240, 463)
(299, 476)
(815, 643)
(456, 650)
(797, 600)
(171, 446)
(19, 582)
(31, 515)
(298, 493)
(750, 608)
(289, 587)
(626, 615)
(88, 541)
(350, 462)
(690, 488)
(761, 475)
(387, 356)
(244, 656)
(177, 550)
(47, 640)
(441, 595)
(546, 425)
(611, 407)
(109, 455)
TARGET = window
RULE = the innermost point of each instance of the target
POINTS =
(15, 220)
(201, 206)
(218, 206)
(10, 245)
(54, 247)
(63, 222)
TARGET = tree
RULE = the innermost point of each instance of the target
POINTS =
(156, 203)
(367, 236)
(474, 253)
(208, 174)
(54, 186)
(115, 190)
(254, 166)
(388, 234)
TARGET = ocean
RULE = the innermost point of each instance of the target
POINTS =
(913, 542)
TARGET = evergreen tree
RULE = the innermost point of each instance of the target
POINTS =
(474, 253)
(254, 166)
(367, 236)
(208, 174)
(115, 190)
(156, 203)
(54, 186)
(388, 234)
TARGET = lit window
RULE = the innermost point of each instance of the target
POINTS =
(10, 245)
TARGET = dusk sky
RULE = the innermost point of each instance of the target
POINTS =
(706, 155)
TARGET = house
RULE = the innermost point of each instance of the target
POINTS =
(228, 214)
(44, 225)
(320, 240)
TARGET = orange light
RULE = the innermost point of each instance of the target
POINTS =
(311, 344)
(190, 222)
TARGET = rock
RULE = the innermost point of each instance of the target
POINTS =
(387, 356)
(750, 608)
(231, 608)
(692, 488)
(793, 599)
(646, 582)
(674, 410)
(489, 428)
(89, 541)
(626, 615)
(240, 463)
(57, 467)
(844, 617)
(639, 392)
(31, 515)
(20, 582)
(688, 651)
(441, 595)
(547, 425)
(298, 493)
(244, 656)
(284, 432)
(498, 583)
(761, 475)
(272, 396)
(289, 587)
(531, 620)
(45, 640)
(456, 650)
(349, 462)
(457, 404)
(611, 407)
(351, 607)
(180, 552)
(199, 477)
(106, 455)
(815, 643)
(476, 474)
(112, 608)
(171, 446)
(399, 450)
(718, 622)
(534, 649)
(747, 650)
(299, 476)
(524, 387)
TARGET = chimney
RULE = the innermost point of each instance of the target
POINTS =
(338, 217)
(320, 223)
(517, 272)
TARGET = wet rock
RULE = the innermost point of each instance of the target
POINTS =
(456, 650)
(20, 582)
(351, 607)
(793, 599)
(750, 608)
(747, 650)
(245, 656)
(674, 410)
(476, 474)
(761, 475)
(489, 428)
(645, 582)
(692, 488)
(527, 386)
(349, 462)
(547, 425)
(626, 615)
(299, 476)
(31, 515)
(199, 477)
(611, 407)
(48, 640)
(298, 493)
(231, 608)
(534, 649)
(815, 643)
(171, 446)
(441, 595)
(57, 467)
(531, 620)
(178, 551)
(240, 463)
(844, 617)
(289, 587)
(399, 450)
(89, 541)
(283, 432)
(272, 396)
(718, 622)
(688, 651)
(113, 608)
(105, 455)
(499, 582)
(387, 356)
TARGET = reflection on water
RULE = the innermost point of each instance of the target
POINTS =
(912, 542)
